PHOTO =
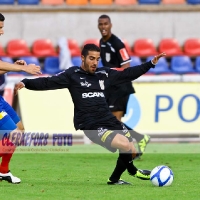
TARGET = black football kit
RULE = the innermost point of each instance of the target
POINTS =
(114, 55)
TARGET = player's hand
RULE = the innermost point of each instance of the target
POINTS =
(33, 69)
(156, 58)
(18, 86)
(20, 62)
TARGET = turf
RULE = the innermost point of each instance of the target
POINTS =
(82, 171)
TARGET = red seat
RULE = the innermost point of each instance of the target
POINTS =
(192, 47)
(91, 41)
(128, 48)
(74, 48)
(144, 48)
(173, 2)
(125, 2)
(170, 46)
(52, 2)
(43, 48)
(2, 52)
(18, 48)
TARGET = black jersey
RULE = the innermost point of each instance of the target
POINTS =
(87, 90)
(114, 54)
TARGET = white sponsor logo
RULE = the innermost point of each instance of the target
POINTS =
(92, 94)
(107, 57)
(82, 77)
(101, 131)
(85, 84)
(101, 83)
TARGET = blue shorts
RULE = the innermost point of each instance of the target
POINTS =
(8, 117)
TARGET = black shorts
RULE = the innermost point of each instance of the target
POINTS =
(102, 133)
(119, 104)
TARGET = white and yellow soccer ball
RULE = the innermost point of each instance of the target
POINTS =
(161, 176)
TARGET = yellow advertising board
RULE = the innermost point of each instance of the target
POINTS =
(155, 108)
(164, 108)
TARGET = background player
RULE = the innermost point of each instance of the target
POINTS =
(114, 54)
(8, 117)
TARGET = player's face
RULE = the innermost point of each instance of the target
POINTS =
(90, 62)
(104, 26)
(1, 28)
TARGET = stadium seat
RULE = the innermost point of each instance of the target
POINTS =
(51, 65)
(91, 41)
(192, 47)
(8, 2)
(182, 65)
(17, 48)
(43, 48)
(28, 2)
(30, 60)
(101, 2)
(144, 48)
(197, 64)
(161, 67)
(2, 52)
(100, 64)
(193, 1)
(173, 1)
(128, 48)
(74, 48)
(170, 47)
(76, 61)
(52, 2)
(7, 59)
(76, 2)
(149, 1)
(135, 60)
(125, 2)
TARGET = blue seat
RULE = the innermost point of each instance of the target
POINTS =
(7, 59)
(51, 65)
(30, 60)
(193, 1)
(197, 64)
(28, 2)
(182, 65)
(76, 60)
(100, 64)
(149, 1)
(135, 60)
(8, 2)
(10, 60)
(161, 67)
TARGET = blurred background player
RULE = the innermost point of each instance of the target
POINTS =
(9, 120)
(114, 54)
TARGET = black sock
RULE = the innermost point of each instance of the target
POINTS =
(128, 161)
(119, 169)
(134, 134)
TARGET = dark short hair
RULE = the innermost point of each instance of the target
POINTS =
(105, 16)
(2, 18)
(89, 47)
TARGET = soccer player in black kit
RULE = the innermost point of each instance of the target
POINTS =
(114, 54)
(86, 85)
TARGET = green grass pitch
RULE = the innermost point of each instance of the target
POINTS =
(81, 174)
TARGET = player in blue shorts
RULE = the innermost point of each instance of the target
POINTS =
(9, 120)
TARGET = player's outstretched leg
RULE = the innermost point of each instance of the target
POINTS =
(142, 144)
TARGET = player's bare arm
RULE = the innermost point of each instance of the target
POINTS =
(31, 68)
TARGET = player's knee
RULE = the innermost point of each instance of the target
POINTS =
(124, 145)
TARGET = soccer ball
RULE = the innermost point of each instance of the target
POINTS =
(161, 176)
